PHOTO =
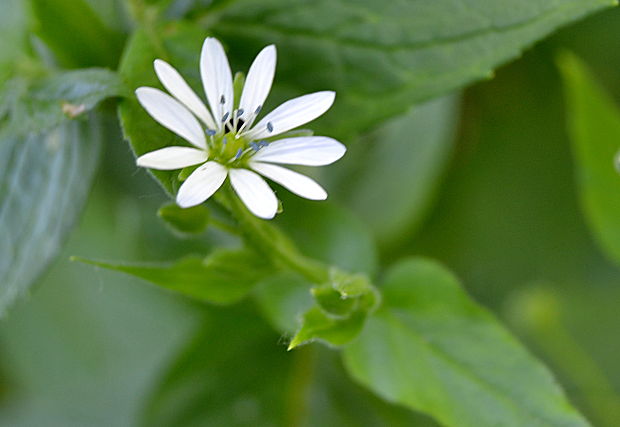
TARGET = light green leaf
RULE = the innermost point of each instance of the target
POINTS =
(382, 57)
(47, 162)
(224, 277)
(433, 349)
(44, 180)
(192, 220)
(38, 105)
(75, 34)
(593, 121)
(397, 169)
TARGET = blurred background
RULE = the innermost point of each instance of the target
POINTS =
(89, 347)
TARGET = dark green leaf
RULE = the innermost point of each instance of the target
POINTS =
(433, 349)
(181, 47)
(190, 220)
(75, 33)
(233, 373)
(382, 57)
(224, 277)
(594, 127)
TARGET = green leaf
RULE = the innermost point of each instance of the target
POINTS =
(44, 181)
(232, 373)
(433, 349)
(224, 277)
(38, 105)
(397, 169)
(181, 47)
(13, 39)
(282, 299)
(380, 57)
(75, 33)
(47, 162)
(329, 233)
(192, 220)
(593, 121)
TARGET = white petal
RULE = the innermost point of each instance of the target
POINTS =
(170, 158)
(216, 79)
(201, 184)
(178, 87)
(302, 150)
(293, 113)
(172, 114)
(258, 83)
(254, 192)
(295, 182)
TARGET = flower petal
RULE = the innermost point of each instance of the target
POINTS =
(216, 79)
(170, 158)
(258, 83)
(201, 184)
(172, 114)
(178, 87)
(293, 113)
(254, 192)
(302, 150)
(297, 183)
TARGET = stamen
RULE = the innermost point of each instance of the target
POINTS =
(222, 100)
(263, 143)
(240, 112)
(239, 152)
(210, 132)
(270, 127)
(224, 142)
(255, 146)
(258, 109)
(225, 117)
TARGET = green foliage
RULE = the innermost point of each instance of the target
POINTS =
(192, 220)
(76, 35)
(180, 47)
(418, 49)
(12, 36)
(432, 348)
(224, 277)
(593, 121)
(48, 156)
(399, 165)
(210, 384)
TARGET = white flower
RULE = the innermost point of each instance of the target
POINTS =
(226, 141)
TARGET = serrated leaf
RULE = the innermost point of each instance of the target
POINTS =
(192, 220)
(433, 349)
(382, 57)
(224, 277)
(593, 121)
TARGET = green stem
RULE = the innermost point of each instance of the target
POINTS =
(267, 239)
(302, 376)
